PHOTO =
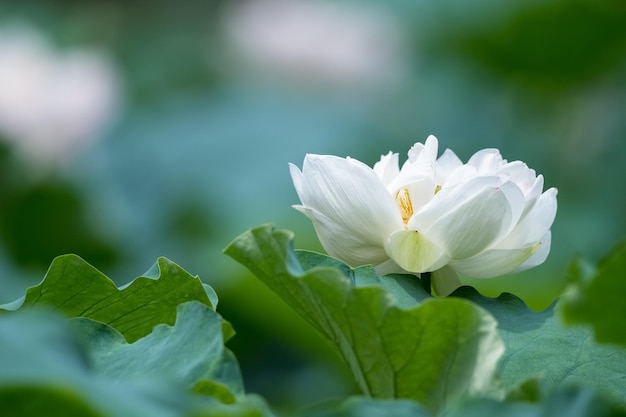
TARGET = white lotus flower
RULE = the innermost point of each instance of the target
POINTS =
(52, 102)
(481, 219)
(332, 42)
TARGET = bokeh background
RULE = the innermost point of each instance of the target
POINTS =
(132, 130)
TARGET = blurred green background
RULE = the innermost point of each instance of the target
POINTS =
(181, 140)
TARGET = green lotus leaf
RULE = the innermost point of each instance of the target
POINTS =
(435, 353)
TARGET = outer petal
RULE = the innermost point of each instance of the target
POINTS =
(533, 193)
(466, 219)
(342, 243)
(539, 256)
(389, 267)
(535, 223)
(298, 182)
(494, 262)
(351, 195)
(517, 202)
(444, 281)
(413, 252)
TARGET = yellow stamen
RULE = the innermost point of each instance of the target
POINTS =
(437, 189)
(406, 207)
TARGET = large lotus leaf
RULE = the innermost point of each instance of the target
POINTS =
(77, 289)
(47, 370)
(190, 353)
(564, 402)
(435, 353)
(601, 300)
(251, 406)
(362, 406)
(538, 344)
(407, 290)
(537, 288)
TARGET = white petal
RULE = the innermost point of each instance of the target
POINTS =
(418, 172)
(519, 173)
(298, 181)
(460, 175)
(421, 191)
(517, 203)
(444, 281)
(389, 267)
(537, 187)
(351, 194)
(494, 262)
(411, 174)
(447, 163)
(533, 193)
(535, 223)
(387, 168)
(414, 152)
(342, 243)
(466, 219)
(428, 150)
(539, 256)
(487, 161)
(431, 147)
(413, 252)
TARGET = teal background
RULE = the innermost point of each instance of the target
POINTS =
(199, 151)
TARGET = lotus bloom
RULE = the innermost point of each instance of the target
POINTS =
(333, 42)
(482, 219)
(52, 102)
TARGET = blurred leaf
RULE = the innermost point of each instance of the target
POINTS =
(167, 51)
(528, 391)
(77, 289)
(362, 406)
(393, 352)
(599, 301)
(42, 357)
(50, 367)
(537, 344)
(26, 401)
(39, 222)
(355, 407)
(565, 402)
(251, 406)
(553, 44)
(190, 352)
(216, 390)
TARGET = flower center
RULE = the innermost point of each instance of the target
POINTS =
(406, 207)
